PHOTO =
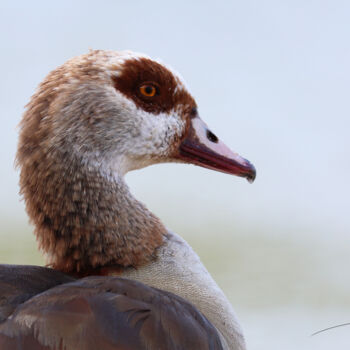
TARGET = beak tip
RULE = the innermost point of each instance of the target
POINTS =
(251, 174)
(250, 178)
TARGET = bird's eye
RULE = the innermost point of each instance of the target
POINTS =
(148, 90)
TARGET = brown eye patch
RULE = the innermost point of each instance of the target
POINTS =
(138, 78)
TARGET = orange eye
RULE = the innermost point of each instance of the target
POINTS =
(148, 90)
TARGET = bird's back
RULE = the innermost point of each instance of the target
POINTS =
(44, 309)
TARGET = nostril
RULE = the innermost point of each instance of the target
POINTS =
(212, 137)
(194, 112)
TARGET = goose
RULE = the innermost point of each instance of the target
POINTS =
(116, 277)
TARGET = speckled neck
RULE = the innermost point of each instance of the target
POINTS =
(85, 217)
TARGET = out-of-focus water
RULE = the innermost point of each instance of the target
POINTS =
(281, 290)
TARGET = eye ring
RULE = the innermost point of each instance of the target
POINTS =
(148, 90)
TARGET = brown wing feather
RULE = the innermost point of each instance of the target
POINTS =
(107, 313)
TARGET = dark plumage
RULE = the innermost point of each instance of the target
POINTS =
(95, 313)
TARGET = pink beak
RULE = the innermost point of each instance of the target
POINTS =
(201, 147)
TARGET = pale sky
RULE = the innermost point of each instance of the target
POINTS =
(271, 79)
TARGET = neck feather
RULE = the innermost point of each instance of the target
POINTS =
(85, 218)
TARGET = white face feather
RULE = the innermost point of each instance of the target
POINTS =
(149, 135)
(121, 136)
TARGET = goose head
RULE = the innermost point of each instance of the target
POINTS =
(123, 111)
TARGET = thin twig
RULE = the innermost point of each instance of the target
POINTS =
(327, 329)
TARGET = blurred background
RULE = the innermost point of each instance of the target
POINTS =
(272, 80)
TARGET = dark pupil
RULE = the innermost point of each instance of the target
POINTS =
(149, 90)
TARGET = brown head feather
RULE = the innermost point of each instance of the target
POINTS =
(171, 93)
